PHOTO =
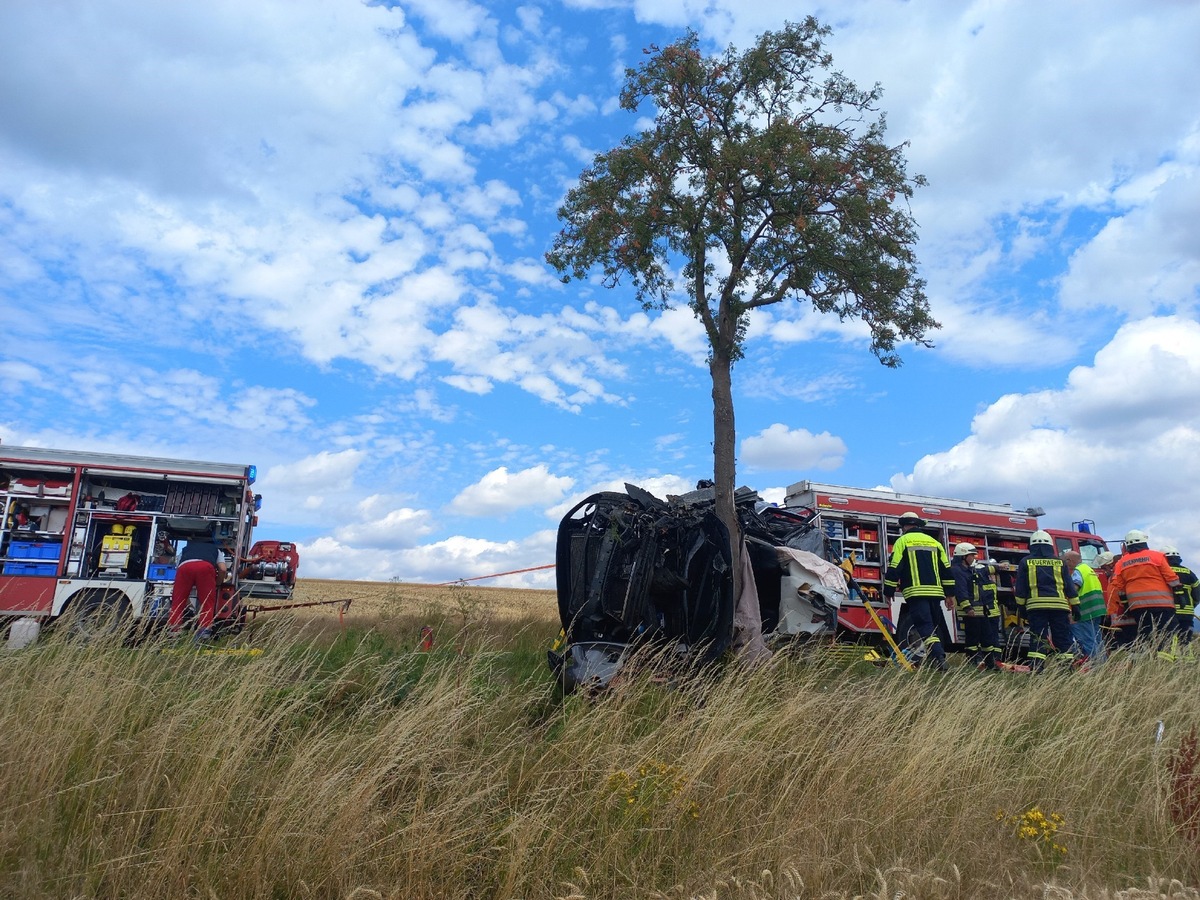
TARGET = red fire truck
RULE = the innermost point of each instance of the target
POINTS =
(96, 534)
(862, 525)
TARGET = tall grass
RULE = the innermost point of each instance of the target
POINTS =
(363, 768)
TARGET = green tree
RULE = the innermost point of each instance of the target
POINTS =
(765, 177)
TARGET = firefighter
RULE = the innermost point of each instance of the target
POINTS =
(1185, 595)
(1144, 586)
(1091, 606)
(1048, 598)
(202, 566)
(985, 572)
(976, 603)
(1120, 628)
(920, 569)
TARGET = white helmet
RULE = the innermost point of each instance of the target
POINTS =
(1103, 558)
(964, 549)
(911, 518)
(1137, 537)
(1169, 550)
(1041, 537)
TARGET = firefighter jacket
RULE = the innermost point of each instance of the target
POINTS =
(1043, 582)
(974, 592)
(1187, 592)
(1144, 580)
(1117, 616)
(919, 567)
(988, 589)
(1091, 594)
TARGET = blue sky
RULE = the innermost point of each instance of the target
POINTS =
(309, 235)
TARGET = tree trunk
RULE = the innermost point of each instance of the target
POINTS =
(724, 462)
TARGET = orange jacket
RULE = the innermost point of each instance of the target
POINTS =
(1118, 618)
(1143, 580)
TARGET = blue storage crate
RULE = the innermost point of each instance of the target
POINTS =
(22, 568)
(34, 550)
(159, 572)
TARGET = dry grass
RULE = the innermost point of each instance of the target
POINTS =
(364, 770)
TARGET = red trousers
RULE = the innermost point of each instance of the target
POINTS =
(198, 574)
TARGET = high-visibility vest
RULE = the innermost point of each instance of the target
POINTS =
(1091, 594)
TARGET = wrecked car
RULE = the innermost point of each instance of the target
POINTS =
(637, 571)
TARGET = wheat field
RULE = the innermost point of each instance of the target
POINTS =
(372, 599)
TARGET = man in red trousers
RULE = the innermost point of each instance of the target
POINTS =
(201, 566)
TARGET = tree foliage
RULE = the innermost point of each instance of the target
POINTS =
(764, 177)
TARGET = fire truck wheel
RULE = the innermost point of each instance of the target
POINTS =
(94, 613)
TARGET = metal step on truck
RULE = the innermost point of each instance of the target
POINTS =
(96, 535)
(861, 525)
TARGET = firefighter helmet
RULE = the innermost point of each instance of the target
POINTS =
(1170, 550)
(1041, 537)
(1136, 537)
(965, 549)
(908, 519)
(1103, 558)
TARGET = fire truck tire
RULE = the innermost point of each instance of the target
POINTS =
(96, 613)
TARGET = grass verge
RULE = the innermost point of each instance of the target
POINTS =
(356, 765)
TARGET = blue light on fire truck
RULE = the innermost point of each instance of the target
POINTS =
(257, 502)
(251, 473)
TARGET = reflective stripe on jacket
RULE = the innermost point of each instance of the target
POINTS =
(1185, 594)
(1091, 594)
(1144, 580)
(989, 592)
(919, 567)
(974, 592)
(1043, 583)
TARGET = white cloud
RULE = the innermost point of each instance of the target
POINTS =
(681, 330)
(500, 492)
(226, 152)
(828, 387)
(317, 489)
(988, 337)
(218, 98)
(155, 401)
(448, 560)
(14, 373)
(781, 448)
(557, 357)
(776, 495)
(395, 529)
(661, 486)
(1145, 260)
(1118, 443)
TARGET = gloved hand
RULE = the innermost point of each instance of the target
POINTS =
(1074, 613)
(889, 593)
